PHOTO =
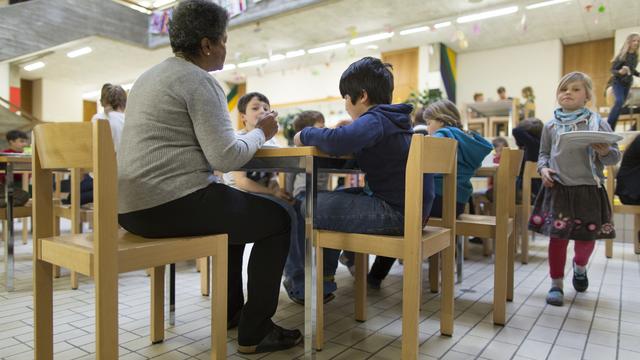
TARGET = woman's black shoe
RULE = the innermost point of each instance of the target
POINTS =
(233, 321)
(277, 339)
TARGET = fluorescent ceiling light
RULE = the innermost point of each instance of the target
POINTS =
(160, 3)
(372, 47)
(91, 94)
(34, 66)
(487, 14)
(442, 25)
(228, 67)
(295, 53)
(277, 57)
(326, 48)
(145, 3)
(545, 3)
(414, 30)
(253, 63)
(371, 38)
(79, 52)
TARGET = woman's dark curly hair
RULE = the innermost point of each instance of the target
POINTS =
(193, 20)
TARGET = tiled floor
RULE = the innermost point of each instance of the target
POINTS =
(603, 323)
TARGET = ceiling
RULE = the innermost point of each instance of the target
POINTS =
(342, 20)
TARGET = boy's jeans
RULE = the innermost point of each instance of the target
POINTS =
(348, 210)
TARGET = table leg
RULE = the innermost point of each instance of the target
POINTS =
(8, 241)
(172, 294)
(311, 168)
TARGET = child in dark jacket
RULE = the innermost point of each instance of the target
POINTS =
(379, 138)
(527, 135)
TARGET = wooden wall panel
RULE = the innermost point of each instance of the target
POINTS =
(89, 108)
(405, 72)
(593, 58)
(26, 95)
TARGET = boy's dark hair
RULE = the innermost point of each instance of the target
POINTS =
(194, 20)
(16, 134)
(306, 119)
(246, 99)
(500, 141)
(533, 126)
(371, 75)
(114, 96)
(501, 89)
(418, 117)
(477, 95)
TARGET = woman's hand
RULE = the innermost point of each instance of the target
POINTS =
(268, 124)
(296, 139)
(547, 179)
(624, 70)
(601, 149)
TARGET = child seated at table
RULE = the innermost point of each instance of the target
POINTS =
(294, 267)
(379, 138)
(443, 120)
(17, 140)
(527, 135)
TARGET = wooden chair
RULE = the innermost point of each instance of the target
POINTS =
(19, 212)
(530, 173)
(426, 155)
(618, 207)
(107, 251)
(499, 227)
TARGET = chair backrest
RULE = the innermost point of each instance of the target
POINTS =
(508, 170)
(429, 155)
(610, 184)
(78, 146)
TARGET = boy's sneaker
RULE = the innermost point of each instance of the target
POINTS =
(300, 300)
(344, 260)
(555, 297)
(580, 280)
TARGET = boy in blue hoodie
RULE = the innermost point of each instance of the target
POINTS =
(443, 120)
(379, 138)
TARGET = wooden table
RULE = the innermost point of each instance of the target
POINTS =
(310, 161)
(11, 164)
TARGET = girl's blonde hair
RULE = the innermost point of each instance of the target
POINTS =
(527, 93)
(444, 111)
(581, 77)
(622, 55)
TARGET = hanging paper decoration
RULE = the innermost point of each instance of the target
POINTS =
(588, 7)
(601, 9)
(463, 44)
(523, 22)
(159, 22)
(315, 72)
(460, 35)
(351, 51)
(233, 7)
(353, 32)
(476, 29)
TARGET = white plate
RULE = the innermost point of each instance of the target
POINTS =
(580, 139)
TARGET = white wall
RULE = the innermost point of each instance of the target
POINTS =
(538, 65)
(4, 80)
(61, 101)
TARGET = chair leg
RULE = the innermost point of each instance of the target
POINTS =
(148, 271)
(219, 303)
(74, 280)
(411, 303)
(524, 244)
(510, 265)
(361, 286)
(609, 248)
(43, 310)
(157, 304)
(434, 269)
(56, 271)
(106, 285)
(466, 247)
(319, 298)
(56, 231)
(636, 234)
(447, 297)
(205, 275)
(459, 258)
(486, 247)
(500, 278)
(25, 230)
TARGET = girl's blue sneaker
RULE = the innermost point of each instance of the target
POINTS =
(555, 297)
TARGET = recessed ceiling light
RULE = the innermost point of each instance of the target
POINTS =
(82, 51)
(371, 38)
(487, 14)
(326, 48)
(34, 66)
(442, 25)
(414, 30)
(545, 3)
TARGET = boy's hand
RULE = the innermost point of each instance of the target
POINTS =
(268, 124)
(601, 149)
(282, 194)
(547, 179)
(296, 139)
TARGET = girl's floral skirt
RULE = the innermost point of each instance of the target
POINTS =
(581, 212)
